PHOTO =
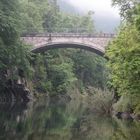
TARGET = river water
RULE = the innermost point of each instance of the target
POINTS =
(56, 120)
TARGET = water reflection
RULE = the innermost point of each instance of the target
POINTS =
(47, 120)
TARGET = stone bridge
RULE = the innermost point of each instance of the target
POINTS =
(92, 42)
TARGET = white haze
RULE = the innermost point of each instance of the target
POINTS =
(106, 17)
(99, 6)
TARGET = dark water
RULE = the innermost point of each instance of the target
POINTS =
(55, 120)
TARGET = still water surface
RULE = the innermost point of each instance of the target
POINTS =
(55, 120)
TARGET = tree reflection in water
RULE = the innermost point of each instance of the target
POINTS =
(44, 120)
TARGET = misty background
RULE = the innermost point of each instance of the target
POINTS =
(106, 19)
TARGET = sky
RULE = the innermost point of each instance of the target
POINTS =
(98, 6)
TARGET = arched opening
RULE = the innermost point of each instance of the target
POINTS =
(44, 48)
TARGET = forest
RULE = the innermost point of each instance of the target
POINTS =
(57, 72)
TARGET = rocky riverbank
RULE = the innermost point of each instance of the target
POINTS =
(16, 93)
(127, 116)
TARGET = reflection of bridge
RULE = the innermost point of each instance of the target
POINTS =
(92, 42)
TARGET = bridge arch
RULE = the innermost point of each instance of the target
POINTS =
(91, 42)
(55, 45)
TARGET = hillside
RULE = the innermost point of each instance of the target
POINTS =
(104, 23)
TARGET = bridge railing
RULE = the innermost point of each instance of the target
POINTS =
(78, 33)
(83, 35)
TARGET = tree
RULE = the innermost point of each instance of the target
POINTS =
(90, 69)
(11, 47)
(123, 53)
(124, 61)
(126, 7)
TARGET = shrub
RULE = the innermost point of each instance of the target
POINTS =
(101, 101)
(128, 103)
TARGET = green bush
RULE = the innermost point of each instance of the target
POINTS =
(101, 101)
(128, 103)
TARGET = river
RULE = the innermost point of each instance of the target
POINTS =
(49, 119)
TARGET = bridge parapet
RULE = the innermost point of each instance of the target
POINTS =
(77, 35)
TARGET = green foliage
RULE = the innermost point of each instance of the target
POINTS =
(59, 69)
(137, 17)
(53, 73)
(14, 54)
(37, 16)
(124, 58)
(124, 62)
(39, 77)
(75, 23)
(31, 17)
(90, 68)
(9, 21)
(124, 55)
(100, 101)
(55, 70)
(128, 103)
(51, 16)
(126, 8)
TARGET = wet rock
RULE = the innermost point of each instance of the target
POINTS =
(118, 115)
(16, 93)
(126, 115)
(136, 116)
